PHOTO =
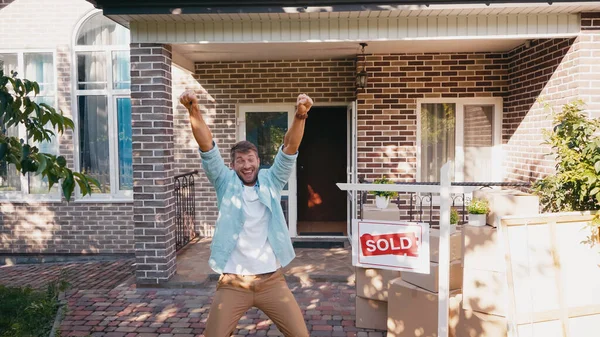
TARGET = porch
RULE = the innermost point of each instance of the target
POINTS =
(485, 71)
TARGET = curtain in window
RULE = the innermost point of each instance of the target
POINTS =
(125, 148)
(437, 139)
(478, 142)
(93, 139)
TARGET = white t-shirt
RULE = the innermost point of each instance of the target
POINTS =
(253, 254)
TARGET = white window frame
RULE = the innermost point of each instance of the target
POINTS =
(111, 95)
(23, 195)
(460, 103)
(291, 193)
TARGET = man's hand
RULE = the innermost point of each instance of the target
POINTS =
(188, 99)
(303, 104)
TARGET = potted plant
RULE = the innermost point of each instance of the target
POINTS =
(382, 198)
(478, 210)
(454, 217)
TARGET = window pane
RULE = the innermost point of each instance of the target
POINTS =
(437, 139)
(8, 62)
(91, 70)
(10, 179)
(266, 130)
(39, 67)
(37, 184)
(99, 30)
(125, 149)
(121, 74)
(478, 142)
(93, 139)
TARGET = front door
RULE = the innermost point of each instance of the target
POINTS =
(322, 162)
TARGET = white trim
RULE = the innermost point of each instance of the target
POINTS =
(363, 28)
(497, 154)
(24, 194)
(291, 193)
(111, 94)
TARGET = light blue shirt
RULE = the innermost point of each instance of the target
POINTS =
(230, 188)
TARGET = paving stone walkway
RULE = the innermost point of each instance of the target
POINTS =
(129, 312)
(80, 275)
(105, 302)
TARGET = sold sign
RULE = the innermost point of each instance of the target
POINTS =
(390, 244)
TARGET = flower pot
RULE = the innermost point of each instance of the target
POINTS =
(382, 202)
(477, 220)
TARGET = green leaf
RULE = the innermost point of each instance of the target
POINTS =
(36, 88)
(61, 161)
(68, 185)
(597, 167)
(596, 190)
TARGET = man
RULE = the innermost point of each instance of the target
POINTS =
(251, 242)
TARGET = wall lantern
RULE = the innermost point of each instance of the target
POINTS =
(361, 76)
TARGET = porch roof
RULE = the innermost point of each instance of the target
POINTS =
(125, 12)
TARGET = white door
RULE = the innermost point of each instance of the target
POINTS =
(352, 166)
(265, 126)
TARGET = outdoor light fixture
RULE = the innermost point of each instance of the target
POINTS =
(361, 77)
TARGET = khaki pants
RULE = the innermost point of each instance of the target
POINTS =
(269, 293)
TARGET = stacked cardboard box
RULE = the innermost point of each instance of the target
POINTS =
(552, 282)
(413, 300)
(372, 284)
(507, 202)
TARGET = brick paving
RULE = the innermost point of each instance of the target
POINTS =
(105, 302)
(328, 308)
(80, 275)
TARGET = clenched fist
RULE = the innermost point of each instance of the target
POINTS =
(188, 99)
(303, 104)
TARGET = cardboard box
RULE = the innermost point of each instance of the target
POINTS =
(476, 324)
(431, 281)
(482, 249)
(413, 311)
(508, 202)
(391, 213)
(485, 292)
(434, 245)
(374, 283)
(371, 314)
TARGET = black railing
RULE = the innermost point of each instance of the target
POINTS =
(420, 207)
(185, 209)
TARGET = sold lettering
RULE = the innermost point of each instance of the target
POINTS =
(390, 244)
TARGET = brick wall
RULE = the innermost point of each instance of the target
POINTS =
(587, 45)
(222, 85)
(387, 118)
(546, 70)
(57, 227)
(153, 162)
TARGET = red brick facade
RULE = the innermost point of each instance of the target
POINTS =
(226, 84)
(387, 109)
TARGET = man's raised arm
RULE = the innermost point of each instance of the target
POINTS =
(212, 162)
(293, 137)
(201, 131)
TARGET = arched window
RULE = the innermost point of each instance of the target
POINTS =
(102, 105)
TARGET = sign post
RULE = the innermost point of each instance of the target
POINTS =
(379, 254)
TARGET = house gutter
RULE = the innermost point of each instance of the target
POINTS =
(158, 7)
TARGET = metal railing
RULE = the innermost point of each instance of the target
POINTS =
(422, 206)
(185, 209)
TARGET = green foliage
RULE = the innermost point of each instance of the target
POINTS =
(478, 206)
(17, 107)
(575, 142)
(453, 217)
(29, 312)
(389, 194)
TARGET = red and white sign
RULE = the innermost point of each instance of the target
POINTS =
(392, 245)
